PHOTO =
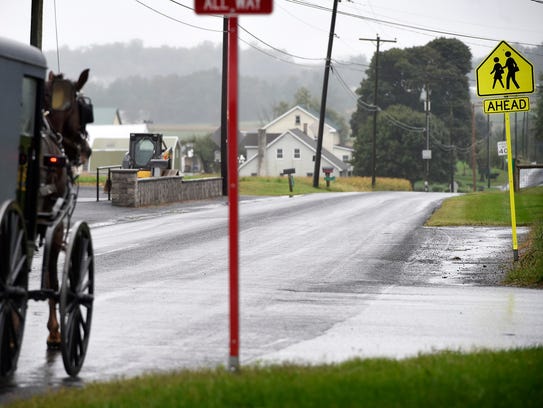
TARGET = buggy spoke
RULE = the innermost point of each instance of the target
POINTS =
(14, 265)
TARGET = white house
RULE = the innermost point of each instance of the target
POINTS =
(290, 142)
(286, 150)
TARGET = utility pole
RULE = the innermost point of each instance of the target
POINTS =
(427, 154)
(318, 153)
(36, 23)
(452, 148)
(373, 149)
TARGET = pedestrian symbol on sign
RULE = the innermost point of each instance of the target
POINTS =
(512, 69)
(498, 72)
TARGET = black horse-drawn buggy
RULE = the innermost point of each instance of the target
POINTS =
(42, 141)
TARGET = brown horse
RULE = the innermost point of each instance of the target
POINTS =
(64, 137)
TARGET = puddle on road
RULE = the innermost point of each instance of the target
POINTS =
(462, 255)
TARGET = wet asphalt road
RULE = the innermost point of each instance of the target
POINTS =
(323, 278)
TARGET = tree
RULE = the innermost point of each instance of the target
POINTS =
(280, 108)
(204, 148)
(399, 149)
(441, 65)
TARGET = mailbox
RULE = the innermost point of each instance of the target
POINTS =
(327, 171)
(289, 173)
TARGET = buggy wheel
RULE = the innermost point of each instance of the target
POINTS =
(76, 298)
(14, 268)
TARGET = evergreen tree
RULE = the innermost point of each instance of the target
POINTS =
(441, 66)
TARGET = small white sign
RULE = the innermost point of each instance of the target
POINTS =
(426, 154)
(502, 148)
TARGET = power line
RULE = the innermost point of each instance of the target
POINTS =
(279, 50)
(403, 25)
(175, 19)
(274, 56)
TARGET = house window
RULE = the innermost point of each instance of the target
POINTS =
(279, 153)
(297, 153)
(345, 158)
(297, 120)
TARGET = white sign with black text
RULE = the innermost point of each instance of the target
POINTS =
(502, 148)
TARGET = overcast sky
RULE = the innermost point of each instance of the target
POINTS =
(294, 26)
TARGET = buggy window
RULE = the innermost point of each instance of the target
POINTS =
(28, 108)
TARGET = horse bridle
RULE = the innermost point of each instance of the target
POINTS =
(63, 97)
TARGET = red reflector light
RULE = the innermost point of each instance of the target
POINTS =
(50, 160)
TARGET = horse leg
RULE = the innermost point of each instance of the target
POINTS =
(51, 281)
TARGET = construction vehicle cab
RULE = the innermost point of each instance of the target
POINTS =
(148, 153)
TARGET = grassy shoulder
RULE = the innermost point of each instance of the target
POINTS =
(494, 379)
(276, 186)
(493, 209)
(490, 208)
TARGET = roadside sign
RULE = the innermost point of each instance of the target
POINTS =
(426, 154)
(504, 72)
(515, 104)
(502, 148)
(233, 7)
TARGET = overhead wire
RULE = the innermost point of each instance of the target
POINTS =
(176, 19)
(397, 24)
(278, 49)
(276, 57)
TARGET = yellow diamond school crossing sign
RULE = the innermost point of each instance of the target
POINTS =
(505, 72)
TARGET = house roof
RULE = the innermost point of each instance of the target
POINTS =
(114, 131)
(342, 147)
(298, 107)
(106, 116)
(324, 152)
(105, 143)
(251, 139)
(309, 141)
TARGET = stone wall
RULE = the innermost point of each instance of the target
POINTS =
(129, 191)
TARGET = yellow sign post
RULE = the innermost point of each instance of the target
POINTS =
(506, 72)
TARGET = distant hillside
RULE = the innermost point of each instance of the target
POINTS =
(183, 85)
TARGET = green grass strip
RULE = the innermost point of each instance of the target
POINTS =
(452, 379)
(490, 209)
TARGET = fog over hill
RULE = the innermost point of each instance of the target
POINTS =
(183, 85)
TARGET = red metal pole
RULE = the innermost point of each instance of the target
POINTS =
(233, 361)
